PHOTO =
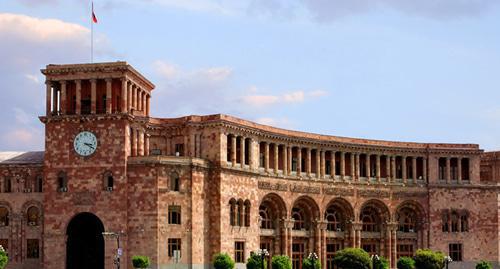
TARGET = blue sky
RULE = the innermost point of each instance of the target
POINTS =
(425, 71)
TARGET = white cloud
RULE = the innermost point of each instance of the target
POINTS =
(294, 97)
(257, 100)
(280, 122)
(32, 78)
(260, 100)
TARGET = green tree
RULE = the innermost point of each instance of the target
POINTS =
(4, 259)
(140, 261)
(406, 263)
(281, 262)
(484, 265)
(308, 264)
(255, 262)
(428, 259)
(223, 261)
(352, 258)
(380, 263)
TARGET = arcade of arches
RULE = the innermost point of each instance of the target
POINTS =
(305, 227)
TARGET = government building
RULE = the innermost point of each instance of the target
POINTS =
(180, 190)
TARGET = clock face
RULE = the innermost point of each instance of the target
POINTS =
(85, 143)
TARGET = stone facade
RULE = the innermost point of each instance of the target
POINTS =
(209, 184)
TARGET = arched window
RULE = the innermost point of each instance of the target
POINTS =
(445, 221)
(369, 219)
(240, 216)
(232, 212)
(265, 218)
(407, 220)
(464, 222)
(4, 216)
(109, 181)
(39, 184)
(247, 213)
(33, 216)
(62, 182)
(454, 221)
(333, 220)
(298, 217)
(7, 184)
(175, 182)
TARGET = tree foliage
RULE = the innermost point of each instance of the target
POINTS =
(308, 264)
(223, 261)
(484, 265)
(428, 259)
(281, 262)
(352, 258)
(140, 261)
(380, 263)
(255, 262)
(4, 259)
(406, 263)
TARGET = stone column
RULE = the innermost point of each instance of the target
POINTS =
(93, 94)
(368, 166)
(124, 107)
(424, 168)
(289, 160)
(357, 167)
(414, 168)
(144, 103)
(353, 236)
(146, 144)
(133, 102)
(266, 156)
(459, 168)
(133, 141)
(403, 167)
(319, 172)
(138, 99)
(322, 164)
(342, 165)
(285, 160)
(393, 167)
(63, 102)
(353, 166)
(394, 246)
(377, 166)
(48, 98)
(389, 246)
(332, 164)
(148, 105)
(55, 102)
(242, 152)
(78, 107)
(140, 142)
(233, 150)
(129, 96)
(308, 162)
(388, 168)
(448, 170)
(299, 161)
(109, 96)
(276, 158)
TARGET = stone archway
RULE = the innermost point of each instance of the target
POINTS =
(85, 242)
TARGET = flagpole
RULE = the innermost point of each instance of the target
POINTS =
(92, 34)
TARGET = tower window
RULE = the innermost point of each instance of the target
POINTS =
(175, 182)
(174, 244)
(239, 252)
(109, 181)
(174, 214)
(33, 249)
(33, 216)
(7, 184)
(39, 184)
(455, 251)
(62, 182)
(4, 216)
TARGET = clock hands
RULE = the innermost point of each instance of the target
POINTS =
(89, 145)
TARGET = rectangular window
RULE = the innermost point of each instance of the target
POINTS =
(174, 214)
(179, 149)
(5, 244)
(239, 252)
(455, 252)
(33, 249)
(405, 250)
(173, 244)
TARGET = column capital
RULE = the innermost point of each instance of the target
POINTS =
(108, 80)
(63, 82)
(48, 82)
(93, 80)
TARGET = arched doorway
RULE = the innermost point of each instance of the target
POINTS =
(85, 244)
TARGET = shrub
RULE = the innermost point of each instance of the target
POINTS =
(140, 261)
(428, 259)
(381, 263)
(352, 258)
(255, 262)
(223, 261)
(406, 263)
(281, 262)
(3, 258)
(308, 264)
(484, 265)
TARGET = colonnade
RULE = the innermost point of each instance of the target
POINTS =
(139, 142)
(454, 169)
(82, 96)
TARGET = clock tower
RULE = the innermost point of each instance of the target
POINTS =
(96, 116)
